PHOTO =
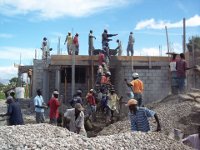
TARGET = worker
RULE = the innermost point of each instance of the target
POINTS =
(76, 44)
(39, 107)
(75, 118)
(181, 67)
(101, 58)
(105, 38)
(131, 42)
(119, 47)
(113, 104)
(69, 40)
(54, 104)
(99, 74)
(12, 93)
(105, 68)
(44, 48)
(13, 112)
(91, 43)
(193, 140)
(137, 87)
(91, 104)
(77, 98)
(106, 52)
(138, 117)
(172, 67)
(106, 78)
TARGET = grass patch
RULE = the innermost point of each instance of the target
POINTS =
(2, 96)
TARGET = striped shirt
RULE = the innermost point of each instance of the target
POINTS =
(139, 121)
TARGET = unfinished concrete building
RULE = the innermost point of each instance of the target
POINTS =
(56, 73)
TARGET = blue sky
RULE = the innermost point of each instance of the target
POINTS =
(23, 24)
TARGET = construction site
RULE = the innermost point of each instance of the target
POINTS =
(81, 89)
(178, 114)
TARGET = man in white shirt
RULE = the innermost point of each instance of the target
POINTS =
(39, 107)
(75, 118)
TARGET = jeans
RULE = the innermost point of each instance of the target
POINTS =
(138, 97)
(181, 84)
(40, 117)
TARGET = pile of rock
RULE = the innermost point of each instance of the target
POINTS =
(173, 112)
(47, 137)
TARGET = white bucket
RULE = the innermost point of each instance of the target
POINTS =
(19, 92)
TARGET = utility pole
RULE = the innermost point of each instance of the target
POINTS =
(58, 51)
(184, 36)
(167, 39)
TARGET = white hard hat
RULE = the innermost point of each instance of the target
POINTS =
(135, 75)
(55, 92)
(108, 73)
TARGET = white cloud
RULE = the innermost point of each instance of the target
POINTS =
(5, 35)
(50, 9)
(7, 72)
(13, 53)
(154, 51)
(152, 24)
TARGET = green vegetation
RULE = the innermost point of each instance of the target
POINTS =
(194, 42)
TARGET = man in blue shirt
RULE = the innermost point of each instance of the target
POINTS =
(39, 107)
(14, 112)
(139, 117)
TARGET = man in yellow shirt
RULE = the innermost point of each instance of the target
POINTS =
(69, 40)
(137, 88)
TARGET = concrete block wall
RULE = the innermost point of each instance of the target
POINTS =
(156, 81)
(193, 77)
(37, 76)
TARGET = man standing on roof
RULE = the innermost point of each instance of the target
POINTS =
(75, 118)
(105, 37)
(90, 42)
(54, 104)
(76, 44)
(131, 42)
(69, 41)
(138, 117)
(137, 88)
(119, 47)
(44, 48)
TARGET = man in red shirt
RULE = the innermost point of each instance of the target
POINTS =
(54, 105)
(91, 104)
(101, 58)
(76, 44)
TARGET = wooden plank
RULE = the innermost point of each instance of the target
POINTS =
(83, 60)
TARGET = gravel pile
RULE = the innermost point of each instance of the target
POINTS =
(47, 137)
(173, 112)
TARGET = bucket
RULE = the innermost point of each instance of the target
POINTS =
(19, 92)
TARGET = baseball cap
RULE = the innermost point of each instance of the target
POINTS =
(131, 102)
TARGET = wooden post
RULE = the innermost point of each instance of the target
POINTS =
(184, 45)
(73, 70)
(92, 69)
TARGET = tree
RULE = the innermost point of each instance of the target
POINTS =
(13, 81)
(194, 40)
